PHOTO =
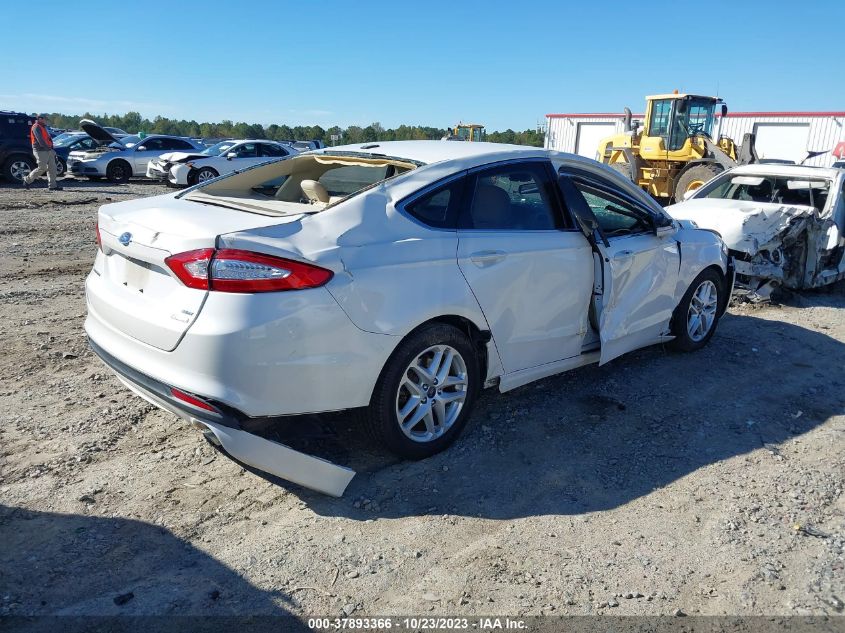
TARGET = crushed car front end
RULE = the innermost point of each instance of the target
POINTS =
(784, 228)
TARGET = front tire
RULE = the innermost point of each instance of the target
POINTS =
(204, 174)
(425, 393)
(61, 167)
(694, 177)
(118, 171)
(697, 315)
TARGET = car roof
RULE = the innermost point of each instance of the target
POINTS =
(774, 169)
(437, 151)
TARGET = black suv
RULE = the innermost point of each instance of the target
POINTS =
(16, 159)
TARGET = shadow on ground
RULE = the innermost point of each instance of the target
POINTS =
(73, 565)
(600, 437)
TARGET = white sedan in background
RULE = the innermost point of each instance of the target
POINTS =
(784, 224)
(186, 168)
(396, 278)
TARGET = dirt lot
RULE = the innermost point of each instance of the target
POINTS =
(707, 483)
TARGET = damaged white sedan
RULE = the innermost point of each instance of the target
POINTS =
(397, 279)
(784, 224)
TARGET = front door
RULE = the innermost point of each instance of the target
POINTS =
(640, 260)
(529, 268)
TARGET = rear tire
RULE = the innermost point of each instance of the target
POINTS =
(118, 171)
(697, 315)
(410, 386)
(16, 168)
(61, 167)
(694, 177)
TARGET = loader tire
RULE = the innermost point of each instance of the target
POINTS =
(693, 177)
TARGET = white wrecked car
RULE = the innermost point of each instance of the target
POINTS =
(784, 224)
(396, 278)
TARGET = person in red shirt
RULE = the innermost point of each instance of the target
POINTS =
(42, 149)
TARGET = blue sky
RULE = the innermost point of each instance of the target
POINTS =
(503, 64)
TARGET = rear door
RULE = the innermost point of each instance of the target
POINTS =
(639, 261)
(529, 268)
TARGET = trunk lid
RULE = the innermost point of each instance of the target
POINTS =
(138, 294)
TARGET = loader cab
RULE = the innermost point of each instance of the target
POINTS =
(672, 119)
(472, 132)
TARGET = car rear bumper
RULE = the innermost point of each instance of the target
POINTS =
(266, 355)
(224, 428)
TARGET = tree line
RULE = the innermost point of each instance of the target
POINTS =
(134, 123)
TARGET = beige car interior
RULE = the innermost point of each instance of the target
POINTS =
(303, 184)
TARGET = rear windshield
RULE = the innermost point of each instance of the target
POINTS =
(790, 190)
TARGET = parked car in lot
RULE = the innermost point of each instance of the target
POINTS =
(120, 159)
(187, 168)
(784, 224)
(397, 279)
(66, 143)
(305, 146)
(16, 159)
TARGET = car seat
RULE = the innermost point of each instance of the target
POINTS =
(491, 208)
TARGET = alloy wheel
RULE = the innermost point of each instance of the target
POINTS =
(702, 310)
(19, 169)
(205, 175)
(431, 393)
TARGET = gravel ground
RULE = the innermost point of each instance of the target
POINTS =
(708, 483)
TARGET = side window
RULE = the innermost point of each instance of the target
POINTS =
(439, 208)
(660, 110)
(615, 215)
(246, 150)
(151, 144)
(268, 149)
(177, 143)
(513, 198)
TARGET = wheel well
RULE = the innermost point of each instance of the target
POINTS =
(726, 296)
(120, 160)
(18, 155)
(478, 337)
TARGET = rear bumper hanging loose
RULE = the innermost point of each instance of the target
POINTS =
(268, 456)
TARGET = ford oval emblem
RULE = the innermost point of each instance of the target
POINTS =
(125, 238)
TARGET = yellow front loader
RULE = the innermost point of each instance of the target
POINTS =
(466, 132)
(674, 152)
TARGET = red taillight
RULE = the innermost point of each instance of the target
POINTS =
(192, 267)
(99, 239)
(192, 400)
(231, 270)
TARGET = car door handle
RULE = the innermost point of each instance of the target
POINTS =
(623, 255)
(487, 258)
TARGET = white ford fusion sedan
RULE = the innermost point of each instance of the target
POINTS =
(395, 278)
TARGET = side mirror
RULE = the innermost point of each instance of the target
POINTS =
(682, 106)
(724, 109)
(665, 231)
(141, 148)
(231, 155)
